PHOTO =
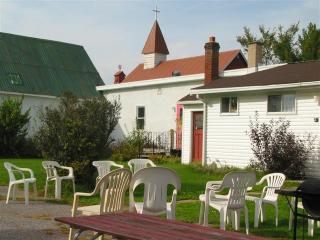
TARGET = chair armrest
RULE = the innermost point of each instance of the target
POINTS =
(27, 170)
(261, 181)
(118, 165)
(214, 185)
(70, 169)
(152, 164)
(266, 188)
(18, 171)
(76, 197)
(174, 198)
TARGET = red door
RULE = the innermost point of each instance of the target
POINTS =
(197, 135)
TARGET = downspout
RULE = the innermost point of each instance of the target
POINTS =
(204, 129)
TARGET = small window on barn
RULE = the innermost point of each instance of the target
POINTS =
(229, 105)
(140, 119)
(14, 79)
(176, 73)
(285, 103)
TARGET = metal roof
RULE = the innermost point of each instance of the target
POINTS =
(44, 67)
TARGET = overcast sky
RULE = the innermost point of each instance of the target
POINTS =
(114, 32)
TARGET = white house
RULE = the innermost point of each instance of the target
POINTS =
(149, 94)
(217, 115)
(40, 70)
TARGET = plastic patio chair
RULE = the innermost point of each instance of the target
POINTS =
(104, 167)
(139, 163)
(112, 188)
(268, 196)
(233, 203)
(155, 181)
(52, 175)
(13, 181)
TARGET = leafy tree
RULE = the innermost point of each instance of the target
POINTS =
(13, 126)
(78, 132)
(285, 45)
(309, 43)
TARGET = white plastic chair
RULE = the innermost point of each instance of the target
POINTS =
(52, 175)
(13, 182)
(268, 196)
(233, 203)
(113, 187)
(155, 181)
(104, 167)
(310, 221)
(139, 163)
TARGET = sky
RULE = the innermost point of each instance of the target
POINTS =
(113, 32)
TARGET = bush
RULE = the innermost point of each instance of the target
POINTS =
(13, 127)
(277, 149)
(78, 132)
(130, 147)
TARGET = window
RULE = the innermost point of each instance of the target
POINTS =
(140, 117)
(281, 103)
(229, 105)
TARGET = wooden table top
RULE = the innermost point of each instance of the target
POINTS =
(141, 227)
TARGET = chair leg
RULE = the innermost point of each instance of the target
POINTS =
(58, 189)
(71, 234)
(46, 189)
(246, 219)
(276, 212)
(291, 214)
(223, 218)
(263, 212)
(74, 186)
(257, 211)
(26, 193)
(206, 213)
(237, 219)
(201, 213)
(310, 227)
(8, 194)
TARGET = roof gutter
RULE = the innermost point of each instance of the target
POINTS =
(27, 94)
(151, 82)
(255, 88)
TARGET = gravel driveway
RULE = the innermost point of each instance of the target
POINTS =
(33, 222)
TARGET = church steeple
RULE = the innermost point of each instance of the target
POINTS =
(155, 49)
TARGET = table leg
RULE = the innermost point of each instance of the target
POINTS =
(295, 218)
(77, 234)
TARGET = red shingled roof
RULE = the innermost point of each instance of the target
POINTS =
(186, 66)
(155, 42)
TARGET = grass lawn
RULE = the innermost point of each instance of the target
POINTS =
(193, 183)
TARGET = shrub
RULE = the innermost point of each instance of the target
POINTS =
(130, 147)
(277, 149)
(77, 132)
(13, 126)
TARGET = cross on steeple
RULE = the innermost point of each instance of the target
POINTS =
(156, 11)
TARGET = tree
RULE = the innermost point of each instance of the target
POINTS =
(285, 45)
(13, 126)
(309, 43)
(78, 132)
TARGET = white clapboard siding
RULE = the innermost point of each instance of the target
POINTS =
(227, 138)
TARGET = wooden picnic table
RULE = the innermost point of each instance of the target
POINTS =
(145, 227)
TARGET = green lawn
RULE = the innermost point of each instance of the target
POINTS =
(193, 183)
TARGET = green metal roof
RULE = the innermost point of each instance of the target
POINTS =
(44, 67)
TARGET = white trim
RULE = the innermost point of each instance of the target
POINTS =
(152, 82)
(190, 102)
(27, 94)
(254, 88)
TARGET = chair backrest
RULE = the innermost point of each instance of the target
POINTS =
(113, 187)
(274, 180)
(139, 163)
(50, 168)
(238, 183)
(10, 168)
(155, 181)
(104, 167)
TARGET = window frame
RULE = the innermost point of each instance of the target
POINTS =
(282, 112)
(236, 113)
(140, 118)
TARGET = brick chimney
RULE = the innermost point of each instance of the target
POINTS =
(119, 76)
(254, 54)
(211, 71)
